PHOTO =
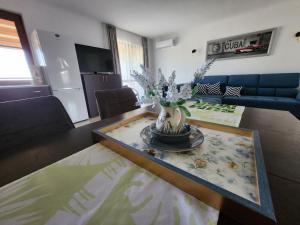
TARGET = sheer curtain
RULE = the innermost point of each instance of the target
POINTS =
(111, 32)
(131, 57)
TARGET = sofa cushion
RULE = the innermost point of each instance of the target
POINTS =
(243, 100)
(233, 91)
(281, 103)
(246, 80)
(270, 102)
(247, 100)
(286, 92)
(266, 91)
(214, 89)
(281, 80)
(291, 101)
(249, 91)
(201, 89)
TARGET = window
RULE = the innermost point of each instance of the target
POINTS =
(15, 55)
(131, 57)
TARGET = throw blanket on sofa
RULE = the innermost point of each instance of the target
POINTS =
(229, 115)
(97, 186)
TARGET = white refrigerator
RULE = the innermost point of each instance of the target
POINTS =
(56, 54)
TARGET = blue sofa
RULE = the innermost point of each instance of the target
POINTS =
(271, 91)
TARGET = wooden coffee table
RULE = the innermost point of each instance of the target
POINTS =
(279, 133)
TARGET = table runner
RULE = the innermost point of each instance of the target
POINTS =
(229, 115)
(98, 187)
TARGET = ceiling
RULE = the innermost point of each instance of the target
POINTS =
(154, 18)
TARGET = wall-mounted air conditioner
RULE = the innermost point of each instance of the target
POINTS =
(165, 44)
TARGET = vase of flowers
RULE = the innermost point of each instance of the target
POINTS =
(171, 120)
(173, 113)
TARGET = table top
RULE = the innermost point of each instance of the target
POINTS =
(279, 132)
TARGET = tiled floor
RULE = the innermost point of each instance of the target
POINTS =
(91, 120)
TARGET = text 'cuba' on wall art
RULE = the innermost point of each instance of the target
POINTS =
(245, 45)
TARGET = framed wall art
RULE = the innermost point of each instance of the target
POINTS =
(245, 45)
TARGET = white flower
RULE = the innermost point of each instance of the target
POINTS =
(153, 90)
(204, 68)
(162, 82)
(186, 91)
(172, 95)
(155, 100)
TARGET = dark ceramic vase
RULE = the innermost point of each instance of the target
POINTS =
(171, 138)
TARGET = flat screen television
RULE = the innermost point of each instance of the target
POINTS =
(94, 60)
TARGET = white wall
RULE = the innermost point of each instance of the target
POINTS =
(84, 30)
(285, 56)
(38, 15)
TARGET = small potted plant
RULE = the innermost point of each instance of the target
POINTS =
(171, 123)
(172, 117)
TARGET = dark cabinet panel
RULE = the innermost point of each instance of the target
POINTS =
(94, 82)
(9, 93)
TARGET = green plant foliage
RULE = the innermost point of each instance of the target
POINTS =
(180, 101)
(185, 110)
(194, 91)
(164, 103)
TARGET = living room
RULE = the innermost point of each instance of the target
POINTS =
(149, 112)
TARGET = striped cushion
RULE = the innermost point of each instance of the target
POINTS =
(214, 89)
(202, 89)
(233, 91)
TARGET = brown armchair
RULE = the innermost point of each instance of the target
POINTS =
(115, 101)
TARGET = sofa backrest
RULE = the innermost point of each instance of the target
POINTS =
(249, 83)
(281, 84)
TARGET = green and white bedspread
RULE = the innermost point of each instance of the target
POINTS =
(229, 115)
(98, 187)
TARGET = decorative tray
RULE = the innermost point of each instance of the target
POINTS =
(226, 171)
(195, 139)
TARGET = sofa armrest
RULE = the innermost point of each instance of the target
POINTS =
(298, 96)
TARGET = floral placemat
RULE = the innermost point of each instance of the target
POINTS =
(224, 159)
(98, 187)
(229, 115)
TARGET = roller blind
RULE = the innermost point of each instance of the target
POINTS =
(8, 34)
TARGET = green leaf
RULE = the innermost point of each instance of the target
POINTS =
(151, 93)
(194, 91)
(173, 104)
(185, 110)
(164, 103)
(180, 101)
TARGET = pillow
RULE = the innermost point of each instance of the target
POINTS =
(201, 89)
(233, 91)
(214, 89)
